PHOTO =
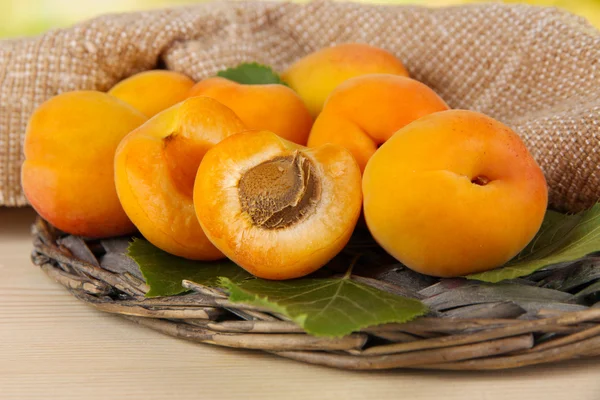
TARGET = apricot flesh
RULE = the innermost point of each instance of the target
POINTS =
(153, 91)
(155, 168)
(277, 209)
(316, 75)
(270, 107)
(454, 193)
(67, 175)
(364, 112)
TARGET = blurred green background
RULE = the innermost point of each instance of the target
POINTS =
(30, 17)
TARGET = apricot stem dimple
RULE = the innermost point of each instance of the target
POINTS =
(167, 139)
(480, 180)
(279, 192)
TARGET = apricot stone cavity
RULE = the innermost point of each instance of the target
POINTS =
(280, 192)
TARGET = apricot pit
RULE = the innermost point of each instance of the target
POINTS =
(279, 192)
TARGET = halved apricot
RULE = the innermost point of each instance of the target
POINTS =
(277, 209)
(155, 168)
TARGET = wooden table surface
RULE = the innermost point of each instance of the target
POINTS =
(53, 347)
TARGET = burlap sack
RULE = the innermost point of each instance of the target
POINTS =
(535, 69)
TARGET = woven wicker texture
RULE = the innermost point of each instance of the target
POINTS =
(535, 69)
(547, 317)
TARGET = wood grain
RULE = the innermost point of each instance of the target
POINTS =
(54, 347)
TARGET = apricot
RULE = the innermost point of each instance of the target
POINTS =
(155, 168)
(453, 193)
(67, 175)
(277, 209)
(364, 112)
(153, 91)
(316, 75)
(272, 107)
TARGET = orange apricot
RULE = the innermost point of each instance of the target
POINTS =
(155, 168)
(453, 193)
(316, 75)
(277, 209)
(364, 112)
(271, 107)
(67, 175)
(153, 91)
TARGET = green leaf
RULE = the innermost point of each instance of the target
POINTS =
(251, 74)
(164, 272)
(326, 307)
(562, 238)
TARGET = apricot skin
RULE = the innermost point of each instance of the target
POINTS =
(68, 171)
(454, 193)
(364, 112)
(292, 251)
(155, 168)
(271, 107)
(316, 75)
(153, 91)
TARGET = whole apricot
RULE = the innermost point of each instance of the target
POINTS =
(67, 175)
(272, 107)
(364, 112)
(155, 168)
(453, 193)
(153, 91)
(316, 75)
(277, 209)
